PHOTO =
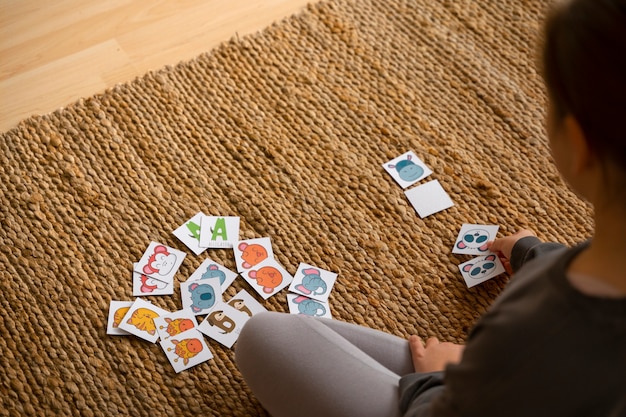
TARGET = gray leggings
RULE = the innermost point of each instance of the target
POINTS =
(301, 366)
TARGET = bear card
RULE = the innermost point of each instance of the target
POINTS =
(201, 296)
(313, 282)
(429, 198)
(189, 233)
(407, 169)
(244, 302)
(139, 320)
(249, 253)
(117, 311)
(219, 231)
(481, 269)
(224, 324)
(145, 285)
(160, 262)
(267, 278)
(211, 269)
(186, 349)
(299, 304)
(174, 323)
(473, 238)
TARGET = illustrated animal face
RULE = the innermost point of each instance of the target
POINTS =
(252, 254)
(150, 284)
(407, 169)
(475, 239)
(213, 272)
(160, 262)
(267, 277)
(143, 319)
(119, 315)
(482, 268)
(178, 326)
(202, 296)
(186, 349)
(309, 307)
(222, 321)
(240, 305)
(312, 282)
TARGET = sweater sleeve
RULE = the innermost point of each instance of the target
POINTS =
(417, 391)
(529, 248)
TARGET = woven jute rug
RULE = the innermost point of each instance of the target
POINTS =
(287, 129)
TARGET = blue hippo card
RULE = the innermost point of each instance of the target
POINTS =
(299, 304)
(201, 295)
(313, 282)
(407, 169)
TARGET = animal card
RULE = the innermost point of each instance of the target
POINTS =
(473, 238)
(139, 320)
(249, 253)
(189, 233)
(481, 269)
(174, 323)
(429, 198)
(145, 285)
(160, 262)
(186, 349)
(224, 324)
(201, 295)
(313, 282)
(219, 231)
(407, 169)
(211, 269)
(267, 278)
(117, 311)
(245, 303)
(299, 304)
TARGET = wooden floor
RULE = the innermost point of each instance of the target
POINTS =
(55, 52)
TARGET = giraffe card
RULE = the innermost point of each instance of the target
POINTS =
(171, 324)
(186, 349)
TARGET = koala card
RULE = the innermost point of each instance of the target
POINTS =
(244, 302)
(172, 324)
(189, 233)
(186, 349)
(219, 231)
(145, 285)
(224, 324)
(201, 296)
(313, 282)
(211, 269)
(407, 169)
(139, 320)
(481, 269)
(473, 238)
(267, 278)
(160, 262)
(299, 304)
(249, 253)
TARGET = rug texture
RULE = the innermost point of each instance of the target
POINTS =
(287, 129)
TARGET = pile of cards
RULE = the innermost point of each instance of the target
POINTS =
(472, 240)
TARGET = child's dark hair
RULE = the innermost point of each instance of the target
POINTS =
(584, 66)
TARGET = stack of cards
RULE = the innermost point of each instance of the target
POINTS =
(310, 291)
(472, 240)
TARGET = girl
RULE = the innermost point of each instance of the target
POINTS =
(554, 342)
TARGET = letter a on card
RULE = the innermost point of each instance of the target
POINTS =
(219, 231)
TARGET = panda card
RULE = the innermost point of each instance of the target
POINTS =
(160, 262)
(481, 269)
(473, 238)
(224, 324)
(186, 349)
(407, 169)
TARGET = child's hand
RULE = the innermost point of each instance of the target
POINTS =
(435, 355)
(504, 246)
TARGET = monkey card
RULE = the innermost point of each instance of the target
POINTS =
(429, 198)
(219, 231)
(200, 296)
(160, 262)
(473, 238)
(223, 324)
(186, 349)
(139, 320)
(117, 311)
(249, 253)
(211, 269)
(407, 169)
(145, 285)
(313, 282)
(299, 304)
(267, 278)
(481, 269)
(189, 233)
(245, 303)
(171, 324)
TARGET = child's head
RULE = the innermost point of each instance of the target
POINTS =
(584, 66)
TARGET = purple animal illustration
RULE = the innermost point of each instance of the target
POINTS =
(482, 268)
(474, 239)
(407, 169)
(309, 307)
(312, 283)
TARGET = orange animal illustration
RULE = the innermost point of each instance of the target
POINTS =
(143, 319)
(119, 315)
(186, 349)
(268, 277)
(177, 326)
(252, 254)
